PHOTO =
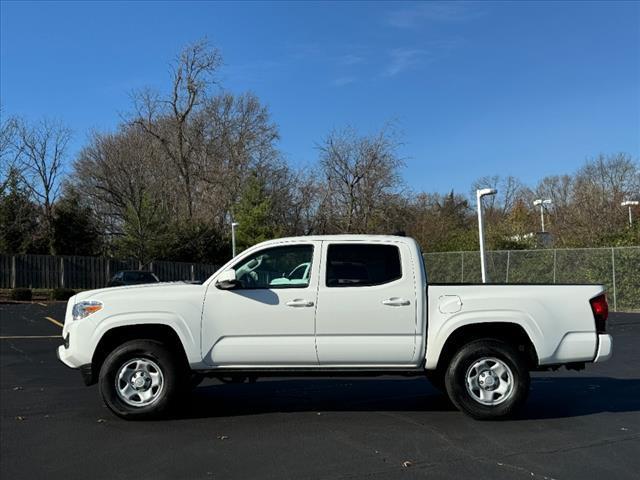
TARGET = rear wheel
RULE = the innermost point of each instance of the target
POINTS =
(142, 379)
(487, 379)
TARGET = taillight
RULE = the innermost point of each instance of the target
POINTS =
(600, 310)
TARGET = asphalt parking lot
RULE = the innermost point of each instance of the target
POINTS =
(577, 425)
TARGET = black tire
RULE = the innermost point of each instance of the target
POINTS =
(174, 372)
(476, 351)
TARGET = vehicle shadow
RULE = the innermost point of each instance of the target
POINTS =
(264, 296)
(560, 397)
(551, 397)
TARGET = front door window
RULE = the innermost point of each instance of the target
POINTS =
(279, 267)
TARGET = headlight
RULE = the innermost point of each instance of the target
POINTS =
(85, 308)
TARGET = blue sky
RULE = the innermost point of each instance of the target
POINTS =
(526, 89)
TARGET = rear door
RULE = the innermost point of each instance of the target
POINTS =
(366, 311)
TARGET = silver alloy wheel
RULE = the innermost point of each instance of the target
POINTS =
(139, 382)
(489, 381)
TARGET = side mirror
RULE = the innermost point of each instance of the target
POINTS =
(227, 280)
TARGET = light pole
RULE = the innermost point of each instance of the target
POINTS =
(483, 261)
(233, 238)
(630, 203)
(541, 203)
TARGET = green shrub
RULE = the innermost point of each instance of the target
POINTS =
(21, 294)
(61, 293)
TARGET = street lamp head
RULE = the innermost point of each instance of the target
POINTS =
(486, 191)
(234, 224)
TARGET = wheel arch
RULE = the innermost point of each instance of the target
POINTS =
(510, 332)
(118, 335)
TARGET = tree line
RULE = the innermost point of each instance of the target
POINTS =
(186, 162)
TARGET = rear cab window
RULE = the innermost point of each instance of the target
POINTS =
(362, 264)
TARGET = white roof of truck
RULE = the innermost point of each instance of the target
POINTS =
(343, 238)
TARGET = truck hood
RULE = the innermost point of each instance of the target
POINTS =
(161, 288)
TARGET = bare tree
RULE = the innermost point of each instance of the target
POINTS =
(441, 222)
(168, 118)
(8, 150)
(42, 148)
(510, 191)
(585, 207)
(358, 172)
(240, 138)
(300, 210)
(598, 189)
(124, 179)
(559, 189)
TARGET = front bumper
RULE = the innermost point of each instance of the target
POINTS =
(605, 348)
(86, 370)
(77, 351)
(66, 356)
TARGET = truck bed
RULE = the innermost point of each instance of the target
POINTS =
(557, 318)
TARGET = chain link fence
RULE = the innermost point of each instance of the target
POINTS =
(618, 268)
(48, 271)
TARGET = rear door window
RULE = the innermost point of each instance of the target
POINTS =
(362, 265)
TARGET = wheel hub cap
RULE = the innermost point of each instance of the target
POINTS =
(139, 382)
(490, 381)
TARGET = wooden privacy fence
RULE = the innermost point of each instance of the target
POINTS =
(618, 268)
(47, 271)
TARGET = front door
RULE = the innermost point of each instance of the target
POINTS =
(268, 321)
(366, 313)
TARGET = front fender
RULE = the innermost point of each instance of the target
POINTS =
(178, 324)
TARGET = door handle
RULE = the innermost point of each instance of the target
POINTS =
(396, 302)
(299, 302)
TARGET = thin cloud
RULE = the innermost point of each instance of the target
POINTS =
(432, 11)
(402, 59)
(350, 59)
(408, 58)
(252, 72)
(343, 81)
(306, 51)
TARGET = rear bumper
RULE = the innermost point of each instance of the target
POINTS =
(605, 348)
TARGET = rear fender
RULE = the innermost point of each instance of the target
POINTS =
(437, 340)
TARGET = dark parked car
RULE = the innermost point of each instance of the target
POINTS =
(132, 277)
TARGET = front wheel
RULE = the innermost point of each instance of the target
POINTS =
(141, 379)
(487, 379)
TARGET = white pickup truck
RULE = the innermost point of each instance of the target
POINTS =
(330, 305)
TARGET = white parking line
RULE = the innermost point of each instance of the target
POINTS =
(22, 337)
(54, 321)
